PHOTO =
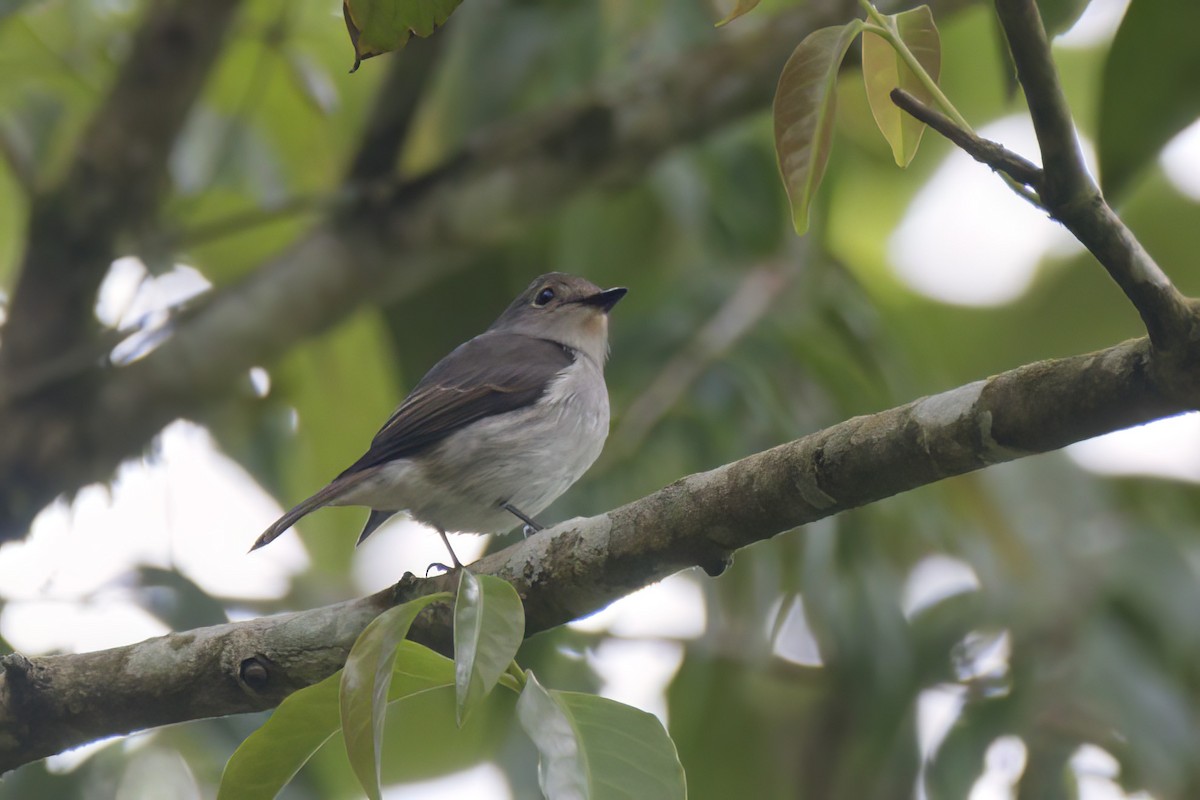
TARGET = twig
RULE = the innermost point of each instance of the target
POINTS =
(1072, 197)
(985, 151)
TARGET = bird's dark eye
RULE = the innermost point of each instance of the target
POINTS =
(544, 296)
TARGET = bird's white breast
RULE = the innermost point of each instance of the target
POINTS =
(526, 457)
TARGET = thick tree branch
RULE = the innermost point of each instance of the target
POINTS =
(113, 186)
(505, 176)
(50, 703)
(1073, 198)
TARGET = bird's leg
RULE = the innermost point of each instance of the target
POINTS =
(530, 525)
(446, 541)
(453, 557)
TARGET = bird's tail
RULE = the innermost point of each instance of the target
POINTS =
(326, 496)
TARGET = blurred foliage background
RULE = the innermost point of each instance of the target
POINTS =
(1074, 629)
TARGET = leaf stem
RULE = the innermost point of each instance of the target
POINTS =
(885, 26)
(515, 677)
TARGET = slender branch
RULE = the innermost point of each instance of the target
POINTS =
(50, 703)
(1072, 197)
(1062, 158)
(985, 151)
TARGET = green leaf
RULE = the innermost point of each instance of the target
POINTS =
(489, 626)
(594, 748)
(381, 26)
(805, 102)
(1151, 90)
(306, 719)
(364, 687)
(742, 7)
(269, 758)
(884, 69)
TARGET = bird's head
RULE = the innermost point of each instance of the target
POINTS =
(566, 309)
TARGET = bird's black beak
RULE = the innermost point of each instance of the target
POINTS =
(605, 300)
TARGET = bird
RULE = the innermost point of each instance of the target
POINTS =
(495, 431)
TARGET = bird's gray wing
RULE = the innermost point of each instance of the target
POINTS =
(493, 373)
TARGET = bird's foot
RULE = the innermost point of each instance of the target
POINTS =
(439, 565)
(449, 549)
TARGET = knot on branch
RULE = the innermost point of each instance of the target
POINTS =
(255, 673)
(20, 702)
(16, 669)
(714, 564)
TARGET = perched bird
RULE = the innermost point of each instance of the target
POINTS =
(498, 429)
